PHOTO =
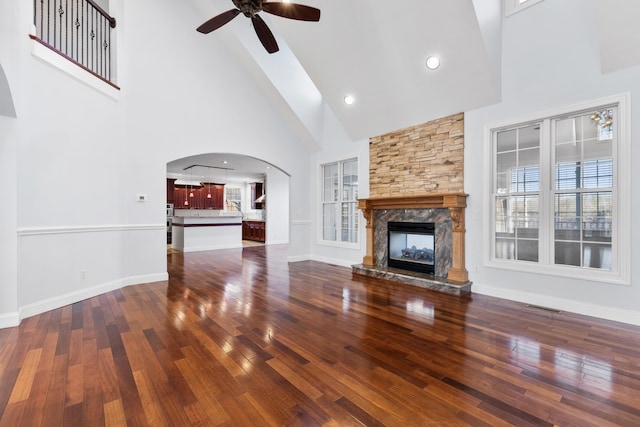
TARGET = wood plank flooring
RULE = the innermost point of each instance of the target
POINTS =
(242, 338)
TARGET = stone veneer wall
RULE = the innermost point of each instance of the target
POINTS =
(423, 159)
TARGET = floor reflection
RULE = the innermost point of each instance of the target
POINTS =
(255, 307)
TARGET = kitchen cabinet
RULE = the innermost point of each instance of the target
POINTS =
(199, 199)
(257, 190)
(170, 190)
(254, 230)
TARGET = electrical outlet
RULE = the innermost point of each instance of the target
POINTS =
(83, 274)
(477, 268)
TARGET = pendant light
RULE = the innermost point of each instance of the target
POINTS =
(209, 194)
(191, 183)
(186, 200)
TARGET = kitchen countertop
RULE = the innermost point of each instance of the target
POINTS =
(204, 220)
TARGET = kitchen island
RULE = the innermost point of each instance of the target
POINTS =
(205, 233)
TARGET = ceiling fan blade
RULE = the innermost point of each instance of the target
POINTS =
(292, 11)
(217, 21)
(264, 34)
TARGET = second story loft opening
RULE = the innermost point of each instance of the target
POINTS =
(80, 31)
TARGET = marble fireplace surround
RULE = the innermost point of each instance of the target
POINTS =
(446, 210)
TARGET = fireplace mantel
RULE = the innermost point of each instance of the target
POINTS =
(455, 202)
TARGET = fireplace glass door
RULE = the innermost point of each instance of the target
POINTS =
(411, 246)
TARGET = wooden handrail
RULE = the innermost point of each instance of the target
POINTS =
(111, 19)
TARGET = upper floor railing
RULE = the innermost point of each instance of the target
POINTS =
(80, 30)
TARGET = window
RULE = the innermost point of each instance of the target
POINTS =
(233, 196)
(583, 190)
(340, 201)
(517, 193)
(557, 194)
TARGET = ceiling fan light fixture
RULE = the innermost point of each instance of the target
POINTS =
(432, 62)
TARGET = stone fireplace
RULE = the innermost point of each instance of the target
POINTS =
(416, 178)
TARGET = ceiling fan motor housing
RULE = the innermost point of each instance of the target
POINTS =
(248, 7)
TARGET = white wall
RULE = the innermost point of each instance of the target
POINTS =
(77, 158)
(8, 169)
(196, 99)
(337, 146)
(8, 223)
(550, 60)
(277, 207)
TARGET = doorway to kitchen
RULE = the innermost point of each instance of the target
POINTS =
(225, 200)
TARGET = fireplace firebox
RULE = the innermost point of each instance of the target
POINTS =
(411, 246)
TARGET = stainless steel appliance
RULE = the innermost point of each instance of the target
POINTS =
(169, 221)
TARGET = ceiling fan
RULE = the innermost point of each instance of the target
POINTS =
(251, 8)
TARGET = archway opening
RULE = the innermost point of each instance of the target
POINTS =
(238, 201)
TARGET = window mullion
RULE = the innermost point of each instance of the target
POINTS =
(339, 202)
(494, 193)
(547, 186)
(616, 189)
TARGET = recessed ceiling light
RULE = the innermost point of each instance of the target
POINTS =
(349, 99)
(225, 162)
(432, 62)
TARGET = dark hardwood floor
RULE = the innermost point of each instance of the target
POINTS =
(241, 338)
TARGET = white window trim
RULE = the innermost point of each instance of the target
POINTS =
(320, 201)
(514, 6)
(621, 272)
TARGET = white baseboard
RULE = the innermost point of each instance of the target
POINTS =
(9, 320)
(298, 258)
(602, 312)
(73, 297)
(211, 247)
(334, 261)
(144, 278)
(277, 242)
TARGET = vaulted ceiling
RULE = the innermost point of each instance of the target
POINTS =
(376, 52)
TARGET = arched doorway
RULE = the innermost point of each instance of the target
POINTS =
(226, 185)
(7, 108)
